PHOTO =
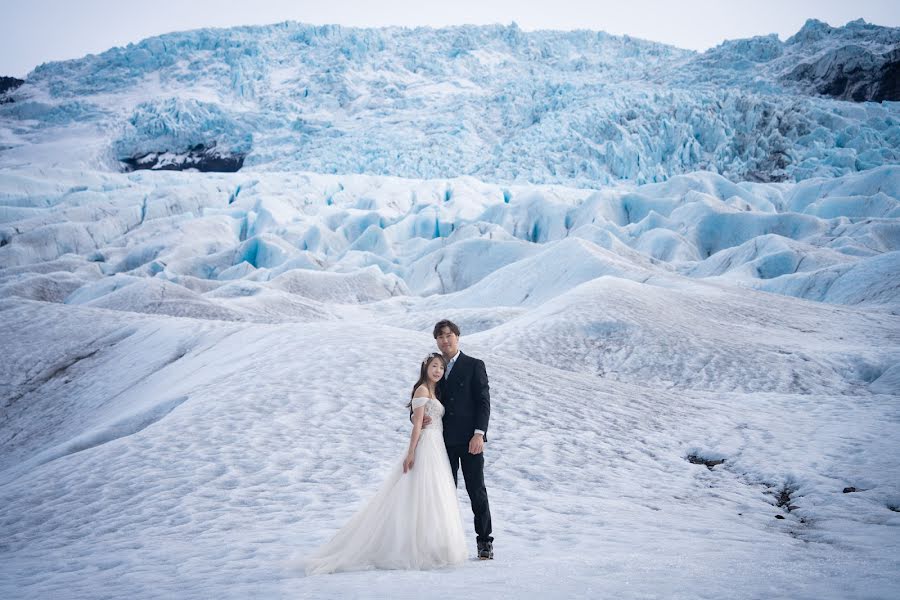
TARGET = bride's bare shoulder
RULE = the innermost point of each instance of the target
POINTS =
(422, 392)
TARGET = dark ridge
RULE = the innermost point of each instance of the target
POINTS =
(852, 73)
(7, 85)
(889, 83)
(202, 157)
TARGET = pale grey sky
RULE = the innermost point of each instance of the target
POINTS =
(36, 31)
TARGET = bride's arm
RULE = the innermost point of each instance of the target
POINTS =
(418, 414)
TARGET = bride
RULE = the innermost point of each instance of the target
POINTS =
(413, 520)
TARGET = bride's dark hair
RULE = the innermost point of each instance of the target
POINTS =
(423, 375)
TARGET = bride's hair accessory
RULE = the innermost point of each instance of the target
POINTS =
(430, 356)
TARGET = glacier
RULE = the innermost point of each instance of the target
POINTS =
(426, 237)
(222, 253)
(579, 108)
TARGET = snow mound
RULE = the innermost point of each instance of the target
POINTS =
(352, 239)
(665, 334)
(151, 296)
(364, 285)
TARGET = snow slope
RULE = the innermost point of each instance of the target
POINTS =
(682, 272)
(205, 375)
(171, 457)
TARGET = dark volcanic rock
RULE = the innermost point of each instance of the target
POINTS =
(699, 460)
(7, 85)
(889, 83)
(201, 157)
(853, 73)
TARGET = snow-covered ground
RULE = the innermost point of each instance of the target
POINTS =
(205, 374)
(166, 457)
(686, 290)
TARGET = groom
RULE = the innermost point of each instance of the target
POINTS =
(464, 392)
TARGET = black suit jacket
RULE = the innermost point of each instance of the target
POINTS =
(466, 397)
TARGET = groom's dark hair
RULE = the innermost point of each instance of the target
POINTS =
(445, 323)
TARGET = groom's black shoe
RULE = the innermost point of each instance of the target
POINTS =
(485, 550)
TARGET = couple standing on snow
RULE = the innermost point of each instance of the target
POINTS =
(413, 521)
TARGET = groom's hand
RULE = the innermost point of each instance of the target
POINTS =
(476, 444)
(426, 421)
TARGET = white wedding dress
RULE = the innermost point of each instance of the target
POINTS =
(413, 520)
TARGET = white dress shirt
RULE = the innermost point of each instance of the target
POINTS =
(450, 364)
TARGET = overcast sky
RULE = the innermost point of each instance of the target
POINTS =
(37, 31)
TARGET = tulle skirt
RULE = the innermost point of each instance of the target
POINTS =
(412, 521)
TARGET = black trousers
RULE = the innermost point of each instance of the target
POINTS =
(473, 473)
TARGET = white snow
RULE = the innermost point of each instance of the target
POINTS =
(205, 374)
(237, 404)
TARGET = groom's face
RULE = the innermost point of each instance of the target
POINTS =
(447, 342)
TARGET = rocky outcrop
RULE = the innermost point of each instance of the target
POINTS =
(853, 73)
(859, 62)
(202, 157)
(176, 134)
(7, 85)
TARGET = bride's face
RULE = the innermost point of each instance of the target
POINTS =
(435, 370)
